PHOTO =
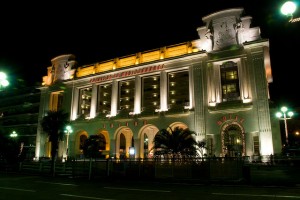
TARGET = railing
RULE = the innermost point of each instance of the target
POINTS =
(201, 168)
(206, 169)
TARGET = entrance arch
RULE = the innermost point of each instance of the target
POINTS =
(233, 139)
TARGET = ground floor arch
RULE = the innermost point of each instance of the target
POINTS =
(178, 124)
(146, 136)
(233, 139)
(124, 140)
(107, 139)
(80, 138)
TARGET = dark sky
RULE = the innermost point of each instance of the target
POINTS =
(32, 34)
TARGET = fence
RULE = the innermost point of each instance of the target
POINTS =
(208, 169)
(280, 171)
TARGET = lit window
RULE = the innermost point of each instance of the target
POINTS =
(230, 81)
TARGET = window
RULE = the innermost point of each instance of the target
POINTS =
(150, 93)
(56, 100)
(85, 101)
(126, 94)
(104, 99)
(255, 145)
(178, 89)
(122, 146)
(230, 81)
(82, 141)
(210, 145)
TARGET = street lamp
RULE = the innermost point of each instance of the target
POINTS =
(3, 81)
(68, 131)
(288, 9)
(13, 134)
(284, 115)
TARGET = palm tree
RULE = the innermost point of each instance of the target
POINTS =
(175, 144)
(53, 123)
(201, 145)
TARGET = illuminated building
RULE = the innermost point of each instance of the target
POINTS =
(216, 86)
(19, 111)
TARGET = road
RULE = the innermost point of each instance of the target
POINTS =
(17, 186)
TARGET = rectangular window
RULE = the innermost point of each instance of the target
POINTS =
(230, 81)
(85, 101)
(210, 146)
(126, 94)
(178, 90)
(56, 100)
(150, 93)
(255, 145)
(104, 99)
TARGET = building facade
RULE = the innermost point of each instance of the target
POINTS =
(19, 111)
(216, 85)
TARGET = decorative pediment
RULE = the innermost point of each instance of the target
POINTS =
(225, 29)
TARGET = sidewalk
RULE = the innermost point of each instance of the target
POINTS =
(274, 175)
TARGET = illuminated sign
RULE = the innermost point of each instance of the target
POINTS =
(127, 73)
(230, 118)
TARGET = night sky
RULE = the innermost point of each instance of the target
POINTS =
(32, 34)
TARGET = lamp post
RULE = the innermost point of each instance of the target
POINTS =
(284, 115)
(288, 9)
(68, 131)
(3, 81)
(13, 134)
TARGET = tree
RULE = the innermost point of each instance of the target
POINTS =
(53, 123)
(175, 144)
(201, 145)
(92, 148)
(9, 150)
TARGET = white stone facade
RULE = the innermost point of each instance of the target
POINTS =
(218, 88)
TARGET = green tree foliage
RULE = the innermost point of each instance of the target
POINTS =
(54, 123)
(175, 144)
(201, 145)
(93, 146)
(9, 150)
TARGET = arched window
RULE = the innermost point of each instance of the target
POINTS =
(82, 139)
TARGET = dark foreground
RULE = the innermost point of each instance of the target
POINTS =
(214, 171)
(21, 186)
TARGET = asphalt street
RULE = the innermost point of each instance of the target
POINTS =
(17, 186)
